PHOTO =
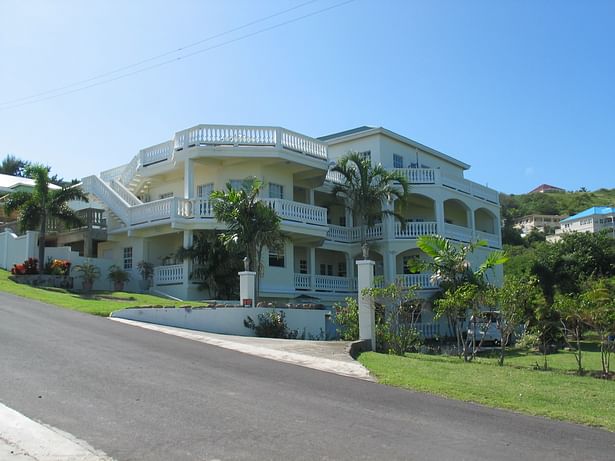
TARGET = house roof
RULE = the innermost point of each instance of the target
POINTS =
(595, 210)
(358, 132)
(10, 182)
(544, 187)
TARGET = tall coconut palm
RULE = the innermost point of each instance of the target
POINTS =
(365, 188)
(251, 224)
(43, 203)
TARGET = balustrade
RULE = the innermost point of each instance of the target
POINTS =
(169, 275)
(325, 283)
(156, 154)
(297, 211)
(455, 232)
(422, 280)
(412, 230)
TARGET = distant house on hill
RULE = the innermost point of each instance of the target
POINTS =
(546, 188)
(543, 223)
(594, 219)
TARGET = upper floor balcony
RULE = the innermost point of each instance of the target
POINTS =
(251, 139)
(435, 176)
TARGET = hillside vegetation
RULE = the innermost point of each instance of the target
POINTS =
(554, 203)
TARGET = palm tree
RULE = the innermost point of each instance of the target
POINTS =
(43, 203)
(462, 285)
(251, 224)
(365, 188)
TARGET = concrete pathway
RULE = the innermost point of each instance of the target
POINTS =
(329, 356)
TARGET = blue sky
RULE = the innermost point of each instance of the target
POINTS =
(524, 91)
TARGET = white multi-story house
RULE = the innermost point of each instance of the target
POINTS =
(157, 200)
(594, 219)
(539, 222)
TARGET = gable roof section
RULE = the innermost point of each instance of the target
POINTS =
(545, 187)
(11, 182)
(362, 131)
(595, 210)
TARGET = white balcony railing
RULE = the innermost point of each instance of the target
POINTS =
(297, 211)
(169, 275)
(419, 175)
(412, 230)
(353, 234)
(422, 280)
(153, 211)
(261, 136)
(156, 154)
(493, 240)
(325, 283)
(455, 232)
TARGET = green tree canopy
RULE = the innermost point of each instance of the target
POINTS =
(36, 207)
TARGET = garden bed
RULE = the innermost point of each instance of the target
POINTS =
(44, 280)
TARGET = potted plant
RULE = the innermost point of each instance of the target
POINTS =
(118, 276)
(146, 270)
(88, 272)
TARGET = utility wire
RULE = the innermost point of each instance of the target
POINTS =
(59, 91)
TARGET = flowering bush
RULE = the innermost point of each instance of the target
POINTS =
(57, 267)
(18, 269)
(29, 267)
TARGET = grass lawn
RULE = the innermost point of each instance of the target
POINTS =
(515, 386)
(101, 303)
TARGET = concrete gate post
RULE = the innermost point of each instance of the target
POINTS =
(367, 309)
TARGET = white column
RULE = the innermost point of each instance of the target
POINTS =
(312, 266)
(367, 309)
(388, 221)
(189, 178)
(390, 267)
(188, 234)
(247, 285)
(471, 224)
(440, 216)
(311, 196)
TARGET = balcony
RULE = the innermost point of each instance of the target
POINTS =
(435, 176)
(353, 234)
(169, 275)
(413, 230)
(218, 136)
(327, 283)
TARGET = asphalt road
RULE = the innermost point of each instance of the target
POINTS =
(143, 395)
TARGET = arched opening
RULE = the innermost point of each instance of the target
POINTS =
(456, 212)
(485, 221)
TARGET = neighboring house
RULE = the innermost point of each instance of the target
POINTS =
(158, 199)
(594, 219)
(546, 188)
(83, 240)
(544, 223)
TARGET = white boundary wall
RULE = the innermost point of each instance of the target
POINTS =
(16, 249)
(226, 320)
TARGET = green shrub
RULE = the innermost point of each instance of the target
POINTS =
(347, 319)
(271, 324)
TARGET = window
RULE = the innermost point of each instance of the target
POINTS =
(276, 190)
(343, 221)
(398, 161)
(276, 259)
(341, 269)
(127, 258)
(303, 268)
(166, 195)
(366, 154)
(205, 190)
(326, 269)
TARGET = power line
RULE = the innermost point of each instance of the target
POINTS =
(59, 91)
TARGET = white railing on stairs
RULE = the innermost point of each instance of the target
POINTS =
(124, 193)
(96, 186)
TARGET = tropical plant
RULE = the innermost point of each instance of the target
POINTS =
(517, 299)
(118, 276)
(252, 225)
(365, 189)
(463, 286)
(88, 273)
(573, 313)
(271, 324)
(146, 270)
(600, 299)
(347, 319)
(57, 266)
(215, 265)
(43, 203)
